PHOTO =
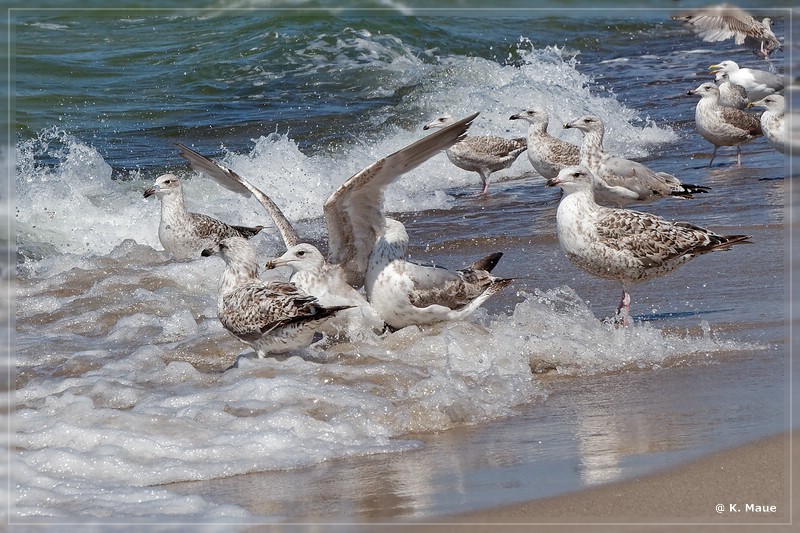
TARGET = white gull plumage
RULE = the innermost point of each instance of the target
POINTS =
(757, 83)
(547, 154)
(310, 271)
(184, 234)
(621, 244)
(483, 154)
(721, 125)
(273, 317)
(772, 120)
(618, 181)
(725, 21)
(730, 94)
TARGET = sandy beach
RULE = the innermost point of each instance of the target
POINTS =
(686, 496)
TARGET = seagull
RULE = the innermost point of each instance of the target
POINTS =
(722, 22)
(483, 154)
(772, 120)
(757, 83)
(184, 234)
(730, 94)
(273, 317)
(310, 271)
(358, 232)
(621, 244)
(619, 181)
(720, 125)
(547, 154)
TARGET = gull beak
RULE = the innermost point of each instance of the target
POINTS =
(553, 182)
(275, 263)
(207, 252)
(568, 125)
(150, 192)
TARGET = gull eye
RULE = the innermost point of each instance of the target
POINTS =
(301, 253)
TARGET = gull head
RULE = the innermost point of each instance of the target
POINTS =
(773, 102)
(299, 257)
(726, 66)
(586, 123)
(165, 184)
(533, 115)
(439, 122)
(707, 89)
(572, 179)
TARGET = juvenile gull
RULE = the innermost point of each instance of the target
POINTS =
(722, 22)
(310, 271)
(772, 120)
(483, 154)
(184, 234)
(730, 94)
(374, 247)
(720, 125)
(547, 154)
(273, 317)
(621, 244)
(618, 181)
(757, 83)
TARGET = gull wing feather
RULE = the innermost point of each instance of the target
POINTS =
(234, 182)
(354, 212)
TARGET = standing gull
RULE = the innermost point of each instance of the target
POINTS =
(720, 125)
(273, 317)
(310, 271)
(547, 154)
(483, 154)
(772, 120)
(722, 22)
(621, 244)
(184, 234)
(618, 181)
(757, 83)
(730, 94)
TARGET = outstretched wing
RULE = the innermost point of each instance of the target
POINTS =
(354, 212)
(234, 182)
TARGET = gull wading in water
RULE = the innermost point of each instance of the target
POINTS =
(757, 83)
(618, 181)
(483, 154)
(721, 125)
(273, 317)
(184, 234)
(772, 120)
(310, 271)
(621, 244)
(725, 21)
(547, 154)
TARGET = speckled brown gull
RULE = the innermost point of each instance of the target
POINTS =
(310, 271)
(273, 317)
(547, 154)
(483, 154)
(772, 120)
(184, 234)
(621, 244)
(720, 125)
(730, 94)
(618, 181)
(757, 83)
(725, 21)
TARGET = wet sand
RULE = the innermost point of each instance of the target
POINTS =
(755, 473)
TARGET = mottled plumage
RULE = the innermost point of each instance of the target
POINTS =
(547, 154)
(184, 234)
(621, 244)
(273, 317)
(618, 181)
(722, 22)
(310, 271)
(757, 83)
(483, 154)
(720, 125)
(730, 94)
(772, 120)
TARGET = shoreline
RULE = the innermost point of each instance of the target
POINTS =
(684, 495)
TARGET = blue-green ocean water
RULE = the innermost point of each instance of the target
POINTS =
(118, 389)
